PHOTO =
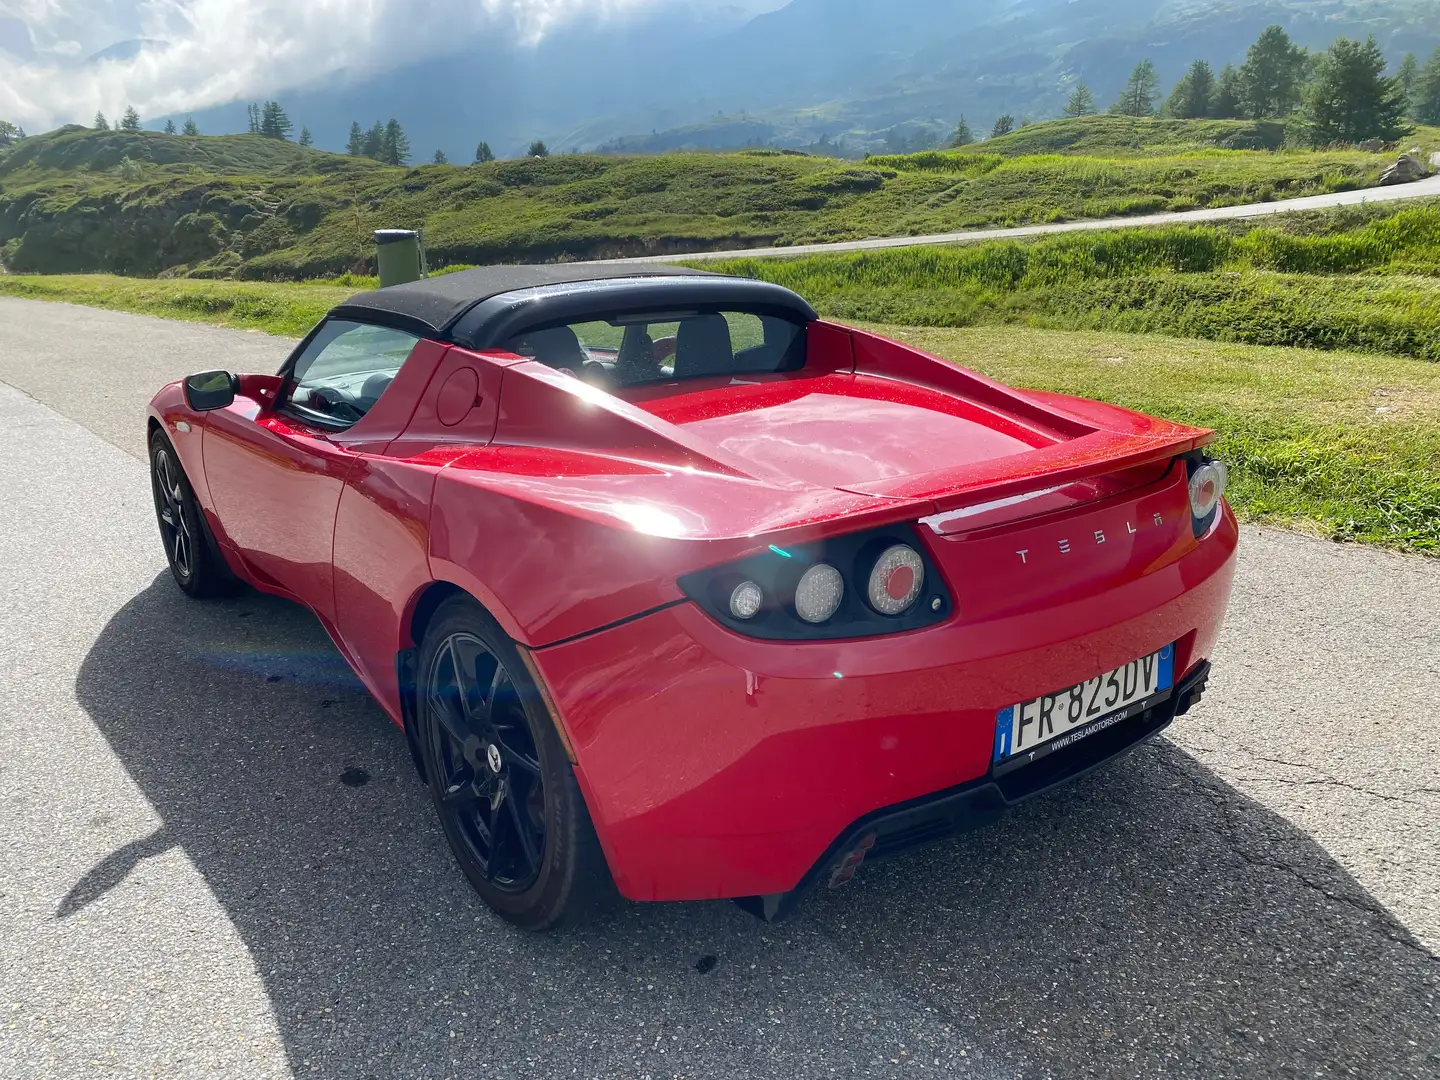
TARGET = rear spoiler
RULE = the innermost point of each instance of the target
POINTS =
(1096, 454)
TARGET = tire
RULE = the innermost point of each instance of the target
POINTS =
(499, 776)
(195, 564)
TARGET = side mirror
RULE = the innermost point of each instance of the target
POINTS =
(210, 390)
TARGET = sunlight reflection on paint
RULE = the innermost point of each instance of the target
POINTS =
(650, 520)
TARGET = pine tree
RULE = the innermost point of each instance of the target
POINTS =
(99, 123)
(306, 139)
(440, 158)
(274, 124)
(1190, 100)
(130, 121)
(1004, 125)
(1427, 92)
(1408, 74)
(962, 135)
(1225, 101)
(190, 127)
(1140, 93)
(356, 146)
(373, 145)
(1082, 102)
(483, 153)
(538, 149)
(1272, 77)
(169, 127)
(1351, 99)
(394, 146)
(10, 133)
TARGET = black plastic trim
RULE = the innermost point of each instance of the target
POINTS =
(931, 818)
(493, 322)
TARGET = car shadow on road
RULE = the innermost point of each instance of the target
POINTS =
(1148, 921)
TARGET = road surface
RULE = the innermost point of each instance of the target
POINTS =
(190, 887)
(1421, 189)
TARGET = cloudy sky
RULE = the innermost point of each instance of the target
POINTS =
(218, 51)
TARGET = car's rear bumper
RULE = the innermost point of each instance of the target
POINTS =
(720, 766)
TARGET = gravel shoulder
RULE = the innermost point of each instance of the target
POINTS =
(188, 887)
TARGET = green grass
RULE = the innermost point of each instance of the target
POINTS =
(1360, 278)
(64, 207)
(290, 308)
(1342, 445)
(1336, 443)
(1116, 136)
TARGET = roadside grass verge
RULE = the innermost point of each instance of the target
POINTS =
(1362, 279)
(289, 309)
(1336, 443)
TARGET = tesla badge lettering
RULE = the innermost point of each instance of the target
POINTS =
(1100, 536)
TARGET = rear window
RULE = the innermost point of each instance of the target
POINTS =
(662, 347)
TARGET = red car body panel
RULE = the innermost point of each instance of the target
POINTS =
(715, 764)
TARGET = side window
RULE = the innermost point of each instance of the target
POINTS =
(345, 369)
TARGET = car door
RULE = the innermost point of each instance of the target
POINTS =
(275, 474)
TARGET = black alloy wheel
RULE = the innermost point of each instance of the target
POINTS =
(500, 777)
(194, 563)
(488, 772)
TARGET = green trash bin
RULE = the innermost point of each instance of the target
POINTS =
(397, 256)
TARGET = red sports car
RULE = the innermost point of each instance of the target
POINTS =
(675, 586)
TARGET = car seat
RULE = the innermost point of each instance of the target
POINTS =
(703, 347)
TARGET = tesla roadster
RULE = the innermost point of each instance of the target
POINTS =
(679, 590)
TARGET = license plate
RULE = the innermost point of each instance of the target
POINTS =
(1035, 728)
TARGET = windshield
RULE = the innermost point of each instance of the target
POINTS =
(667, 346)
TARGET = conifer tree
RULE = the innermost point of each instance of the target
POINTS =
(394, 146)
(99, 123)
(1351, 99)
(440, 158)
(306, 139)
(1225, 101)
(274, 124)
(356, 146)
(1081, 102)
(1272, 77)
(374, 143)
(483, 153)
(1408, 74)
(962, 136)
(190, 127)
(130, 121)
(1140, 93)
(1426, 108)
(1004, 125)
(1190, 100)
(538, 149)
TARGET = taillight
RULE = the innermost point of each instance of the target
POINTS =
(896, 580)
(877, 582)
(1207, 488)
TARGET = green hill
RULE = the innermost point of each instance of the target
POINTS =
(1122, 135)
(73, 149)
(250, 207)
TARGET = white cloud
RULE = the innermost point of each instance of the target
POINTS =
(223, 50)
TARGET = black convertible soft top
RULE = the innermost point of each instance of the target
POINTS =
(484, 307)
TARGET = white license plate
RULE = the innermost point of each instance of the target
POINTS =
(1051, 722)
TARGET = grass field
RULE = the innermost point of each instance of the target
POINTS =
(1365, 278)
(1337, 443)
(194, 209)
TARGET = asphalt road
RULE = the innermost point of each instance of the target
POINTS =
(1421, 189)
(188, 887)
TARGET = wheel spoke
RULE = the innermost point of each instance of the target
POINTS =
(496, 837)
(516, 757)
(522, 832)
(461, 795)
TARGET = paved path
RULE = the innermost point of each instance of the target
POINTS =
(188, 888)
(1422, 189)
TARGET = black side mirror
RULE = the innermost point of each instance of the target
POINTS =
(210, 390)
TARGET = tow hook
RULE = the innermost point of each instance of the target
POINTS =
(846, 867)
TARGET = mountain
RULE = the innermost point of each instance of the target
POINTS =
(866, 74)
